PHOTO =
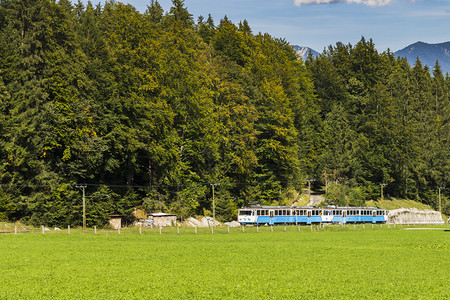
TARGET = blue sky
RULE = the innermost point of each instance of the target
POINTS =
(392, 24)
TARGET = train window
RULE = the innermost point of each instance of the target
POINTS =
(245, 212)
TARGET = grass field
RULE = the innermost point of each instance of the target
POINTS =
(333, 262)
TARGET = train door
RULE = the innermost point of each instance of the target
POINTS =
(309, 213)
(374, 216)
(344, 216)
(271, 213)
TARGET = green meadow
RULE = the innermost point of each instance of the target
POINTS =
(333, 262)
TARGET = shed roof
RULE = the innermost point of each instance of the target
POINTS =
(161, 214)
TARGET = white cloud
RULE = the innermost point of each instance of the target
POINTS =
(365, 2)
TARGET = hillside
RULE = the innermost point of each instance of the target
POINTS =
(428, 54)
(157, 112)
(397, 203)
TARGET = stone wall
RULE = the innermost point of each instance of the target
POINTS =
(164, 221)
(115, 223)
(414, 216)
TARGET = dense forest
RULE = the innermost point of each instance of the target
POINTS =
(153, 110)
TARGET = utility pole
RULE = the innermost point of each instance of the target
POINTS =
(440, 203)
(309, 187)
(83, 187)
(382, 186)
(214, 203)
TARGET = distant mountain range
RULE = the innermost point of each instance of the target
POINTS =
(428, 54)
(303, 51)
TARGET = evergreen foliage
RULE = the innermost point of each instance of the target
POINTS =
(147, 109)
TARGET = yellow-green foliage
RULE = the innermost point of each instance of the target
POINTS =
(397, 203)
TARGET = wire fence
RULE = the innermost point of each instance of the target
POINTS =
(188, 230)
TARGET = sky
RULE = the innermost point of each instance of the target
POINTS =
(392, 24)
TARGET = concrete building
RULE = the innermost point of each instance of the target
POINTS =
(162, 219)
(115, 221)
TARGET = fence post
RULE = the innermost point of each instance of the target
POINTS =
(311, 227)
(284, 227)
(195, 227)
(15, 229)
(257, 230)
(140, 229)
(43, 232)
(178, 229)
(95, 230)
(271, 228)
(298, 228)
(160, 230)
(364, 226)
(118, 229)
(68, 229)
(228, 228)
(243, 228)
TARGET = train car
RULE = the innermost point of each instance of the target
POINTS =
(273, 215)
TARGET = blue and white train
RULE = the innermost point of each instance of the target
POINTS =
(273, 215)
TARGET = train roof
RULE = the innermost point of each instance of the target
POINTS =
(310, 207)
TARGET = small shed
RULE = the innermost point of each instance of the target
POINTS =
(115, 221)
(162, 219)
